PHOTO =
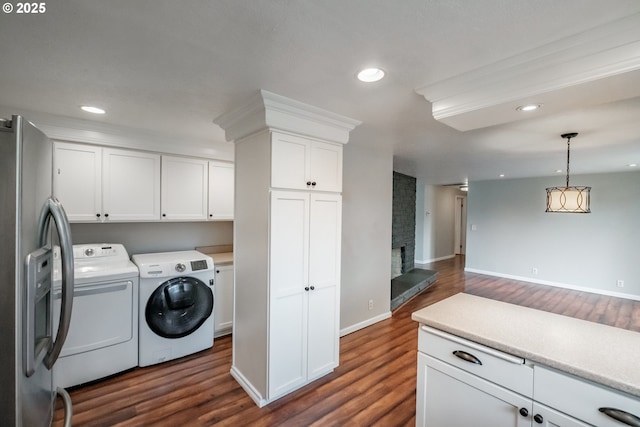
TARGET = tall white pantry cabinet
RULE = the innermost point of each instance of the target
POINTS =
(287, 239)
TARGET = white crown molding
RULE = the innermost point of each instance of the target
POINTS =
(584, 62)
(62, 128)
(275, 112)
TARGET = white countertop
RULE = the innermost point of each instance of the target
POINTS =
(600, 353)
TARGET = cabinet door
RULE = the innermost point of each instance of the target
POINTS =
(77, 180)
(546, 417)
(184, 188)
(448, 396)
(290, 161)
(289, 234)
(130, 185)
(324, 279)
(325, 166)
(223, 304)
(221, 190)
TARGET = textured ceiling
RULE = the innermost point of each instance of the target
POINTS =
(172, 66)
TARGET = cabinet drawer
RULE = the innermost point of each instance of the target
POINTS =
(583, 399)
(501, 368)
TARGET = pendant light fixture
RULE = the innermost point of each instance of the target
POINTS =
(569, 199)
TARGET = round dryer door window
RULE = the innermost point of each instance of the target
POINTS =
(178, 307)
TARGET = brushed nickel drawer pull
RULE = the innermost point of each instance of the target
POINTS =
(467, 357)
(622, 416)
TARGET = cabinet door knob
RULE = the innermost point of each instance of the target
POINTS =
(106, 215)
(622, 416)
(524, 412)
(467, 357)
(164, 214)
(97, 215)
(308, 183)
(217, 271)
(312, 287)
(306, 288)
(538, 418)
(313, 184)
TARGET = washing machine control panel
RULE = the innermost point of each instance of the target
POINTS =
(199, 265)
(170, 264)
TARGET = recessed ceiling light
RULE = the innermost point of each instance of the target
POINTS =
(369, 75)
(501, 175)
(633, 165)
(559, 171)
(529, 107)
(91, 109)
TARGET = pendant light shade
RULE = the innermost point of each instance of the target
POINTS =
(569, 199)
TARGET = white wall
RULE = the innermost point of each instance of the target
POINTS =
(584, 251)
(366, 236)
(145, 237)
(435, 225)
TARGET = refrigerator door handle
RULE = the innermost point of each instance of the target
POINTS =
(53, 208)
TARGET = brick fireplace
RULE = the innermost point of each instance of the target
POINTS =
(403, 231)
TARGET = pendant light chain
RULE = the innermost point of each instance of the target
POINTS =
(568, 150)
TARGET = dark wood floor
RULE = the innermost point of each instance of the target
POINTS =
(373, 386)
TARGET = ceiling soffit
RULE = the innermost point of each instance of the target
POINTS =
(593, 67)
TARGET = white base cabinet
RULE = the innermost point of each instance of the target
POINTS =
(462, 383)
(223, 302)
(449, 396)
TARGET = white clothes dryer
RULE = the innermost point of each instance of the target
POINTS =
(103, 335)
(176, 305)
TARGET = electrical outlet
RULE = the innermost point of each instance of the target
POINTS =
(620, 283)
(534, 270)
(370, 304)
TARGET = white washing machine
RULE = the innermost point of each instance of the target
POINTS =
(176, 305)
(103, 335)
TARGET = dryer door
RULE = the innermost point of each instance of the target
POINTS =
(178, 307)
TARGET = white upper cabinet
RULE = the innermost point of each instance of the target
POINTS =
(221, 188)
(77, 180)
(130, 185)
(304, 164)
(184, 188)
(98, 184)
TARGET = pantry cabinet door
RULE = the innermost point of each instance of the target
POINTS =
(77, 180)
(324, 278)
(131, 185)
(289, 231)
(325, 166)
(290, 162)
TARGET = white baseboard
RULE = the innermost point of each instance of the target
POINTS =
(364, 324)
(442, 258)
(555, 284)
(248, 387)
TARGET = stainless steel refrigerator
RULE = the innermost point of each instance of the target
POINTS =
(28, 345)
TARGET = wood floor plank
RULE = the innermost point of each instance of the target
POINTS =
(373, 386)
